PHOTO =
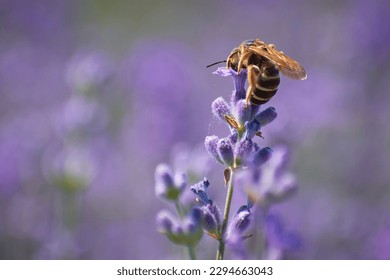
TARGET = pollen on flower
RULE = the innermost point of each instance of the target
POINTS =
(220, 108)
(244, 113)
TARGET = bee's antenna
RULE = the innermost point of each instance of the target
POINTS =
(222, 61)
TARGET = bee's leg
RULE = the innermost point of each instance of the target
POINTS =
(243, 58)
(248, 95)
(253, 74)
(244, 55)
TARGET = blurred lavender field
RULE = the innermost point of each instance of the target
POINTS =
(94, 94)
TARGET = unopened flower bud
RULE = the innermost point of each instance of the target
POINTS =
(266, 116)
(261, 156)
(165, 222)
(220, 109)
(211, 219)
(243, 112)
(211, 144)
(251, 128)
(166, 186)
(243, 151)
(225, 151)
(241, 220)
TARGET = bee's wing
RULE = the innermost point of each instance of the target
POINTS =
(286, 64)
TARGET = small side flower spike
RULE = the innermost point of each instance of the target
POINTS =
(211, 221)
(168, 185)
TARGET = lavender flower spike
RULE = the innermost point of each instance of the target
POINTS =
(211, 221)
(188, 232)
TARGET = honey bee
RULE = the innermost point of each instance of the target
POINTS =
(263, 63)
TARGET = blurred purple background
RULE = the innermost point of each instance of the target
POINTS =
(94, 94)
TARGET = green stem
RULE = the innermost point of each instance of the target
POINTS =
(70, 210)
(191, 252)
(229, 195)
(179, 210)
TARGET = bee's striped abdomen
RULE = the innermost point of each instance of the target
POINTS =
(266, 86)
